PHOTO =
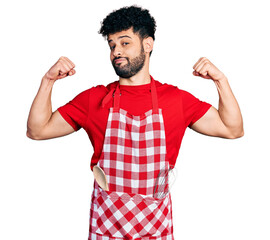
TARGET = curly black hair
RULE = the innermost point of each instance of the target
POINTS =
(124, 18)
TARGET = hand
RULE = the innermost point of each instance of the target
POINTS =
(205, 69)
(62, 68)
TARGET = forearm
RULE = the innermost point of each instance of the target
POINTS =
(41, 109)
(228, 109)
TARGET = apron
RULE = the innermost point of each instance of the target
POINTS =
(133, 154)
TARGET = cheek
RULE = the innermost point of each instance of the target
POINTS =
(111, 57)
(130, 53)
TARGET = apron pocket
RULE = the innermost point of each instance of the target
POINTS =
(128, 215)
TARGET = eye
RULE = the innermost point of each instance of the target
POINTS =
(112, 47)
(125, 43)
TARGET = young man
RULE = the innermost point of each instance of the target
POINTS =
(136, 126)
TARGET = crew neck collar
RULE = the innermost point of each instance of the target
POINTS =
(113, 85)
(147, 85)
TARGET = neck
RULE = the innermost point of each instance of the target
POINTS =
(142, 77)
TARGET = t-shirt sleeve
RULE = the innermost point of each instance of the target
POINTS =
(193, 108)
(75, 112)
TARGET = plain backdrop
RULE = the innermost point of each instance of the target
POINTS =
(222, 187)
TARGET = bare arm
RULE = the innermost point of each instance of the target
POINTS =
(227, 121)
(42, 123)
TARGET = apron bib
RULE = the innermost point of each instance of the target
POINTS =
(133, 155)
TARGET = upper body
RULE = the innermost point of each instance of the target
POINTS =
(130, 36)
(90, 109)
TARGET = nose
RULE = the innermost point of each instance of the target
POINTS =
(117, 51)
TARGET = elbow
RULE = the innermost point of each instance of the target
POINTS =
(237, 134)
(30, 134)
(241, 134)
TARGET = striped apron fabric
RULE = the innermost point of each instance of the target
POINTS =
(133, 154)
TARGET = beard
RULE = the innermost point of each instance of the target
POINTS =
(132, 66)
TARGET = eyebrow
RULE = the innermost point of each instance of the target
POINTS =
(123, 36)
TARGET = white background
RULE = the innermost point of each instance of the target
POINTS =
(222, 188)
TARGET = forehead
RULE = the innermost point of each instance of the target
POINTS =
(123, 34)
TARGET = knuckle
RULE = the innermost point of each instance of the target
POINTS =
(207, 64)
(62, 59)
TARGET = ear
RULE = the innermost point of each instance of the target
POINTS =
(148, 44)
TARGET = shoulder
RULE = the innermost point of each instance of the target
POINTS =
(174, 94)
(171, 89)
(94, 91)
(101, 88)
(162, 86)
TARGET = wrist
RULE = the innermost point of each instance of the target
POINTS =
(46, 83)
(222, 79)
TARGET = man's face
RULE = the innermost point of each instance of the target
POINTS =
(127, 53)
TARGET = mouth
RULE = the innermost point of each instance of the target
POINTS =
(119, 60)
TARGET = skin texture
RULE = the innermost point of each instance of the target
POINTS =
(226, 122)
(42, 123)
(127, 49)
(127, 44)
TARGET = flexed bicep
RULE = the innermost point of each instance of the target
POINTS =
(57, 126)
(210, 124)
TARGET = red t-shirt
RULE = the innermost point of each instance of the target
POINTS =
(180, 110)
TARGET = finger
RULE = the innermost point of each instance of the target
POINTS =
(67, 63)
(72, 72)
(203, 68)
(207, 77)
(195, 73)
(70, 62)
(62, 76)
(64, 67)
(198, 62)
(200, 65)
(200, 75)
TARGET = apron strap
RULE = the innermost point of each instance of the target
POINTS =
(116, 98)
(154, 96)
(116, 95)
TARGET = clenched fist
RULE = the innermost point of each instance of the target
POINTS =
(205, 69)
(62, 68)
